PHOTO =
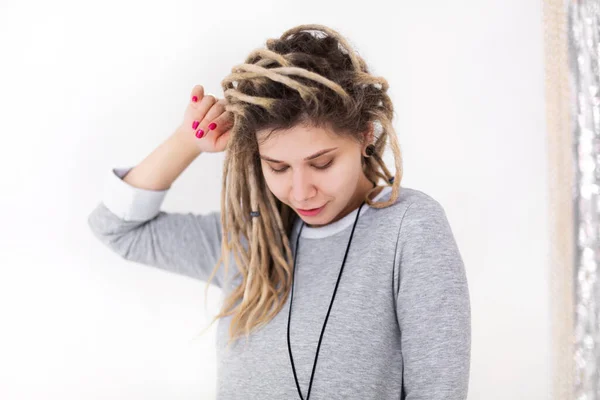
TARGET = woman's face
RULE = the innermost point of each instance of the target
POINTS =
(309, 168)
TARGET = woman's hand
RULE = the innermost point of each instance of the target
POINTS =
(206, 121)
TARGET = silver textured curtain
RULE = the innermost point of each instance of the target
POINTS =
(584, 47)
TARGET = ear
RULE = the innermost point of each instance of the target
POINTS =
(368, 137)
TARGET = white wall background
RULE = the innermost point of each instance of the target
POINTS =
(86, 86)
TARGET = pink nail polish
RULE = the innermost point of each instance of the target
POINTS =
(212, 126)
(195, 124)
(195, 98)
(199, 133)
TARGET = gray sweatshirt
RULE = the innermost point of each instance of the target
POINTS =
(400, 324)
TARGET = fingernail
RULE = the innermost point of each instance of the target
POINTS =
(195, 98)
(195, 124)
(199, 133)
(211, 126)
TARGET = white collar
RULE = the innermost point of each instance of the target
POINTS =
(339, 225)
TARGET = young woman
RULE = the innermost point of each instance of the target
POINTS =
(342, 288)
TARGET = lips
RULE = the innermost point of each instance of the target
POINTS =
(311, 212)
(309, 209)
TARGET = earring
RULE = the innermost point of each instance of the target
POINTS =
(370, 150)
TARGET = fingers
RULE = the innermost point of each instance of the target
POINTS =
(201, 109)
(198, 97)
(197, 93)
(205, 104)
(217, 119)
(209, 116)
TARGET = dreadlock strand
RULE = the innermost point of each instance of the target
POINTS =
(259, 101)
(317, 78)
(268, 57)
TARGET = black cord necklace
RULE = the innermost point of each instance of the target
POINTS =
(328, 311)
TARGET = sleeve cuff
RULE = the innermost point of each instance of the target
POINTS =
(128, 202)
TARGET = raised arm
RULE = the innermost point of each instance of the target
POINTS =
(129, 219)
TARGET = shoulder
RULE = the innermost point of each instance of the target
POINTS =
(412, 207)
(423, 228)
(415, 218)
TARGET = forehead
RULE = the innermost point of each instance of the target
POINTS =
(298, 139)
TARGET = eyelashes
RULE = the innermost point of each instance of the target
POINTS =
(282, 170)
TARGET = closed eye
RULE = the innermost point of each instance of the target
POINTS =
(282, 170)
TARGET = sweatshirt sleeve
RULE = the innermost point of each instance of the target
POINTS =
(130, 222)
(432, 305)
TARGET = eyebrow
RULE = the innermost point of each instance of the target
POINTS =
(311, 157)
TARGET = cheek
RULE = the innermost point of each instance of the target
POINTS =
(342, 176)
(337, 182)
(342, 189)
(276, 186)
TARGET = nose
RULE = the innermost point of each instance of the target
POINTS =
(302, 188)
